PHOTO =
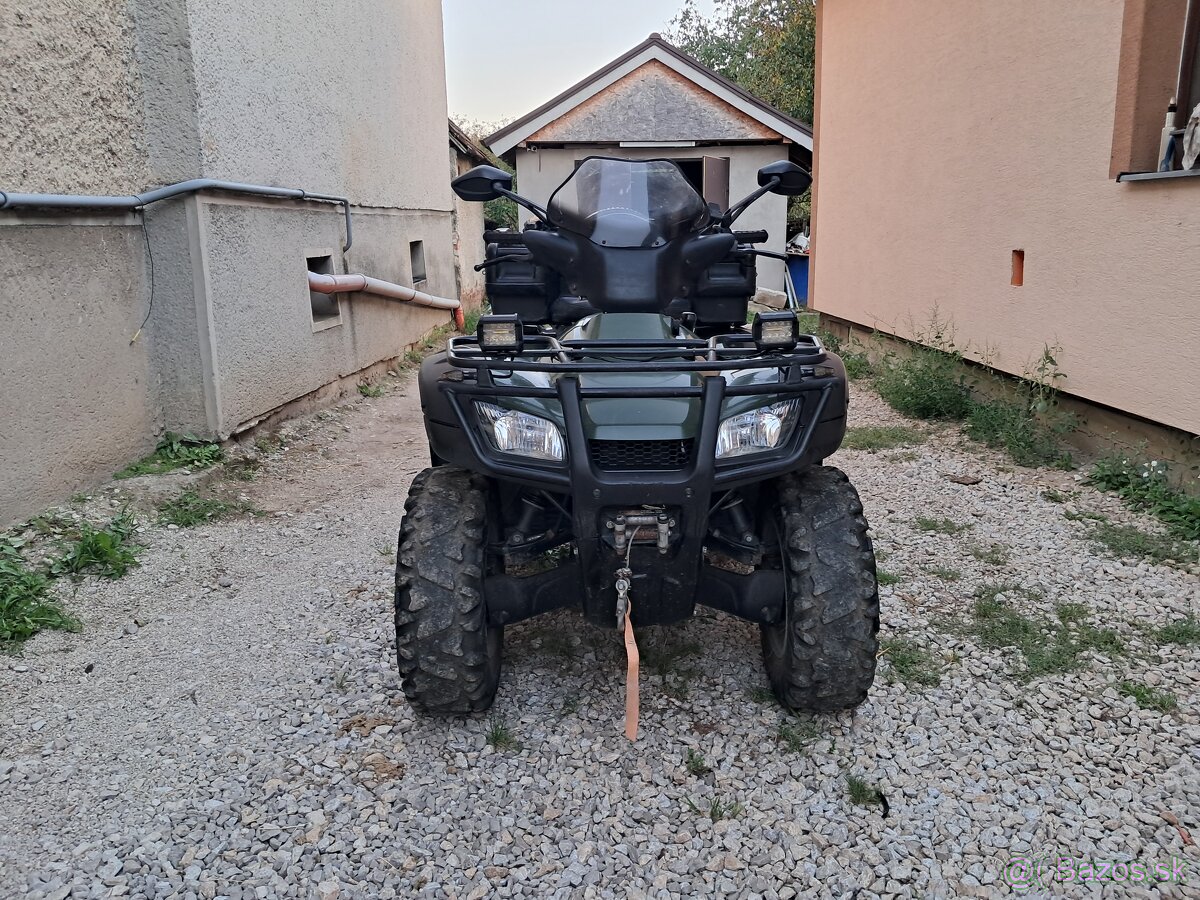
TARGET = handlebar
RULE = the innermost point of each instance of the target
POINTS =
(751, 237)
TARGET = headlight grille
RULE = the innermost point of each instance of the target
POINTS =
(641, 456)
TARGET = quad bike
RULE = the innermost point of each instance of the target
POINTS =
(615, 438)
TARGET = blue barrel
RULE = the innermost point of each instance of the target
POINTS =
(798, 268)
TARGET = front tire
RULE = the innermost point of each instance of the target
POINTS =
(821, 656)
(447, 654)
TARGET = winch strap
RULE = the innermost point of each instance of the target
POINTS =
(631, 678)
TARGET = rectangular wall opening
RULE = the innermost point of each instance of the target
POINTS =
(416, 258)
(1018, 268)
(325, 308)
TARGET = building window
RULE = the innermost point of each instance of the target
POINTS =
(1158, 83)
(416, 258)
(326, 309)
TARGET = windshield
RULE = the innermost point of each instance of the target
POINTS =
(627, 203)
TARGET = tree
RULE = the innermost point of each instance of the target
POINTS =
(501, 212)
(766, 46)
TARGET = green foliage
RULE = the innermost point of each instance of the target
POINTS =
(862, 793)
(926, 383)
(501, 212)
(881, 437)
(1126, 541)
(370, 390)
(1185, 632)
(1145, 485)
(886, 579)
(501, 737)
(799, 735)
(1147, 697)
(176, 451)
(1029, 426)
(695, 763)
(992, 554)
(911, 663)
(25, 607)
(108, 551)
(189, 509)
(1048, 646)
(716, 809)
(940, 526)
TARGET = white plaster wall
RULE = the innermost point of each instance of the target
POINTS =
(540, 172)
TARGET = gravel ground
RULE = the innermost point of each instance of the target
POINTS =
(229, 722)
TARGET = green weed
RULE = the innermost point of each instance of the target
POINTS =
(885, 578)
(25, 605)
(370, 390)
(760, 694)
(929, 381)
(695, 764)
(1147, 697)
(940, 526)
(991, 554)
(716, 808)
(176, 452)
(501, 737)
(911, 663)
(799, 735)
(1056, 496)
(862, 793)
(1185, 632)
(881, 437)
(108, 551)
(945, 573)
(1145, 485)
(1126, 542)
(189, 509)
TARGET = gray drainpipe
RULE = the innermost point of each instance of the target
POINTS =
(136, 201)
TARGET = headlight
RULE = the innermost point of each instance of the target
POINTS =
(517, 432)
(757, 430)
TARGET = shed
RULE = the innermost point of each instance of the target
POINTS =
(467, 219)
(656, 101)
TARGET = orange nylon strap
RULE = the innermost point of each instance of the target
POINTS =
(631, 678)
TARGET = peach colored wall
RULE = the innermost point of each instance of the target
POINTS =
(948, 139)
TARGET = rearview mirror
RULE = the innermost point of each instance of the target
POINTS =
(793, 180)
(479, 185)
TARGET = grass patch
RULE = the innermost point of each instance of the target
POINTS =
(991, 554)
(176, 451)
(107, 551)
(189, 509)
(1127, 542)
(1185, 632)
(1147, 697)
(370, 390)
(716, 808)
(886, 578)
(501, 737)
(911, 663)
(881, 437)
(798, 736)
(1013, 426)
(1057, 496)
(1048, 646)
(940, 526)
(927, 383)
(1072, 515)
(945, 573)
(862, 793)
(25, 607)
(1145, 485)
(471, 319)
(695, 764)
(760, 694)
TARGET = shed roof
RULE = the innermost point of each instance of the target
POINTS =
(653, 49)
(466, 145)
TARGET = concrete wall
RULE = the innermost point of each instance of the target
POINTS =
(540, 172)
(77, 399)
(946, 142)
(469, 247)
(346, 98)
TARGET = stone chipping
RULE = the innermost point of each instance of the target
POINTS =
(229, 722)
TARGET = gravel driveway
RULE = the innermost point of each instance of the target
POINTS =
(229, 722)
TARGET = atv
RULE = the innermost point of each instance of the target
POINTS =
(615, 438)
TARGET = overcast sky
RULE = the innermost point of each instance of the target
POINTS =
(505, 59)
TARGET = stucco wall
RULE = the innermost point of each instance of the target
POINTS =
(69, 98)
(540, 172)
(340, 96)
(945, 142)
(469, 247)
(76, 401)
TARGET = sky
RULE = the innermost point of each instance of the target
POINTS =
(505, 59)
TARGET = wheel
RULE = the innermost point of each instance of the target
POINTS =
(448, 655)
(821, 656)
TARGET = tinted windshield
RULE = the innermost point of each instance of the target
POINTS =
(628, 203)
